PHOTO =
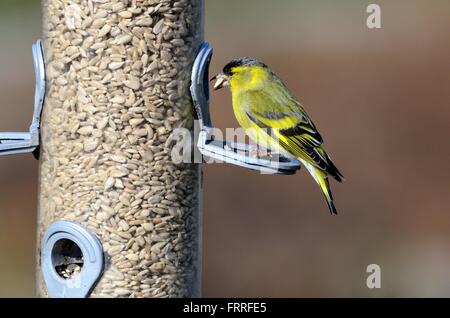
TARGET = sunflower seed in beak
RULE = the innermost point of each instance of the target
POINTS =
(221, 81)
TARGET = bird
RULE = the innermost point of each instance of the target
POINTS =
(272, 117)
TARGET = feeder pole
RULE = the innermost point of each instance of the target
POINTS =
(118, 75)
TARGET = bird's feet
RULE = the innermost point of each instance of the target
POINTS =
(259, 152)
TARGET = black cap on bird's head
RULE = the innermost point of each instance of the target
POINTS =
(222, 79)
(242, 61)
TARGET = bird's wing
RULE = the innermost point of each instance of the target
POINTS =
(293, 126)
(277, 111)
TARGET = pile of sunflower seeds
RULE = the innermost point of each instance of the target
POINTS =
(68, 271)
(117, 86)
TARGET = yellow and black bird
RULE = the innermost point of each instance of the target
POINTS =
(275, 119)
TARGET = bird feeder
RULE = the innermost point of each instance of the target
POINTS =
(114, 80)
(118, 75)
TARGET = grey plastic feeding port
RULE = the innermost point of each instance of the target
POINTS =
(71, 260)
(22, 142)
(223, 150)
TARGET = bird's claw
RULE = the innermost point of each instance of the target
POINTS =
(259, 152)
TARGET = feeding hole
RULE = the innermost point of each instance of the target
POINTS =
(67, 258)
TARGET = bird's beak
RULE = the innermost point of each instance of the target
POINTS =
(221, 81)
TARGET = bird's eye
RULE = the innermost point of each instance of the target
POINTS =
(232, 71)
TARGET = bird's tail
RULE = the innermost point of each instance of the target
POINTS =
(322, 180)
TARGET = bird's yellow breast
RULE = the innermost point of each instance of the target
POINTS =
(245, 83)
(244, 80)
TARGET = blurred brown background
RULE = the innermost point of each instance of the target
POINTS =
(379, 97)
